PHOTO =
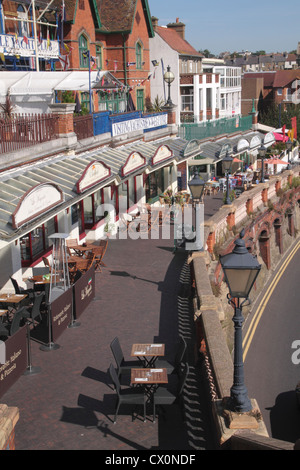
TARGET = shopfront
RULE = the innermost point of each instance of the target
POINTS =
(73, 194)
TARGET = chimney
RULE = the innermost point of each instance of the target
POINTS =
(154, 22)
(179, 27)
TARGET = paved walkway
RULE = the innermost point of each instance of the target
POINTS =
(141, 296)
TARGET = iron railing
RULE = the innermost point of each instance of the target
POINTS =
(20, 131)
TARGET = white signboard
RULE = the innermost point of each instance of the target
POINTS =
(163, 153)
(94, 173)
(12, 46)
(144, 123)
(35, 202)
(133, 163)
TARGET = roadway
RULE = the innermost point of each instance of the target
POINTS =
(270, 330)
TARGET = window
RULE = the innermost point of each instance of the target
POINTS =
(138, 54)
(279, 91)
(36, 243)
(83, 47)
(154, 184)
(22, 25)
(187, 99)
(85, 100)
(115, 101)
(99, 57)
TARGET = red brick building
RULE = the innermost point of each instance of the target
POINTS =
(115, 32)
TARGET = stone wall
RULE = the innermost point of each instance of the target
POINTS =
(270, 215)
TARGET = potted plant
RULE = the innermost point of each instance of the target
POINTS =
(109, 227)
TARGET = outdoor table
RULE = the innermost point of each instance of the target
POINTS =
(41, 279)
(148, 353)
(11, 301)
(80, 250)
(149, 378)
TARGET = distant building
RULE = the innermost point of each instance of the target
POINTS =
(204, 88)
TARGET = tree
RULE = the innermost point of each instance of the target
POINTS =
(276, 116)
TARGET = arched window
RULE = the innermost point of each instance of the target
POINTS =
(22, 25)
(83, 48)
(138, 54)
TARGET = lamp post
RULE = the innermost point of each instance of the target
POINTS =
(169, 78)
(227, 162)
(196, 185)
(289, 145)
(240, 271)
(262, 153)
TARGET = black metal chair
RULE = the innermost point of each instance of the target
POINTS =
(175, 367)
(127, 396)
(9, 329)
(20, 290)
(122, 365)
(34, 312)
(165, 396)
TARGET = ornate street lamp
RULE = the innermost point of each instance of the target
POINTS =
(197, 185)
(262, 153)
(227, 162)
(289, 145)
(240, 271)
(169, 78)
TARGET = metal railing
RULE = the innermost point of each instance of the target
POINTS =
(203, 130)
(21, 131)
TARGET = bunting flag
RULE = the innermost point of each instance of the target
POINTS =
(291, 134)
(65, 62)
(93, 62)
(294, 126)
(25, 39)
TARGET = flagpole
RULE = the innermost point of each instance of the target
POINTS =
(37, 65)
(90, 90)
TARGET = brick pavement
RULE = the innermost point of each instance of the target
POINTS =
(69, 405)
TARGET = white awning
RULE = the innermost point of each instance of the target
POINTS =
(45, 83)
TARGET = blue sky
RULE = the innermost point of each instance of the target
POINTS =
(219, 26)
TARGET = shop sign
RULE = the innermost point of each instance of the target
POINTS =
(269, 138)
(35, 202)
(243, 144)
(143, 123)
(61, 313)
(191, 147)
(15, 359)
(94, 173)
(12, 46)
(255, 142)
(134, 162)
(162, 153)
(84, 291)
